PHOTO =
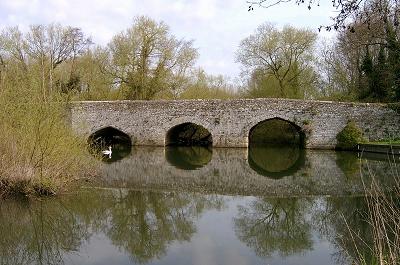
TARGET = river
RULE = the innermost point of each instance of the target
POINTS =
(197, 205)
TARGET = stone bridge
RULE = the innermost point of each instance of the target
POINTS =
(230, 121)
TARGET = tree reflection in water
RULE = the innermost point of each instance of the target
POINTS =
(141, 223)
(32, 233)
(344, 222)
(285, 226)
(145, 223)
(271, 225)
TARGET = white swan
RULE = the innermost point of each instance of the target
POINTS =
(107, 152)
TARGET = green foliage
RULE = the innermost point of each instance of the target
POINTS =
(393, 48)
(377, 77)
(39, 153)
(364, 64)
(204, 86)
(147, 59)
(278, 63)
(349, 137)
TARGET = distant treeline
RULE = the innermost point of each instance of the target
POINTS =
(147, 62)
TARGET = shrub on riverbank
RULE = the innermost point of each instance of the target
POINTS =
(39, 155)
(349, 137)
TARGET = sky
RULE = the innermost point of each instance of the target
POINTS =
(215, 26)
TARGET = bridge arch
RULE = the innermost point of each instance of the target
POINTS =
(188, 134)
(120, 142)
(109, 135)
(172, 127)
(275, 147)
(274, 130)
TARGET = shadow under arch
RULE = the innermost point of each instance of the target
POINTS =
(188, 157)
(276, 148)
(188, 134)
(276, 131)
(120, 142)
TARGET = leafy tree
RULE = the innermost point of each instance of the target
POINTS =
(204, 86)
(146, 59)
(338, 72)
(367, 68)
(368, 75)
(88, 81)
(382, 77)
(283, 58)
(393, 47)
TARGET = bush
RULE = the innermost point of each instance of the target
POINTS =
(349, 137)
(39, 154)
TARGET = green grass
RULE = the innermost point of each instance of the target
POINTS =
(385, 142)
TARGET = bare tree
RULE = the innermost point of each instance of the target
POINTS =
(52, 45)
(346, 10)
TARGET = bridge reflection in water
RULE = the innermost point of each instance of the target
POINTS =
(188, 158)
(254, 171)
(276, 162)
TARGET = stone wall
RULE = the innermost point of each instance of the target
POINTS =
(229, 121)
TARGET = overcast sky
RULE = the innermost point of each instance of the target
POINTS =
(216, 26)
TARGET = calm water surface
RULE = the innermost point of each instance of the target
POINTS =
(188, 205)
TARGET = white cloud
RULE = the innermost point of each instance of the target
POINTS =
(216, 26)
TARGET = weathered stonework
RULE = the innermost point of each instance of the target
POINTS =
(229, 121)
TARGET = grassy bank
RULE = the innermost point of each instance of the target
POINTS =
(386, 142)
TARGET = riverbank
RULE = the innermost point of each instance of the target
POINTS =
(381, 148)
(40, 155)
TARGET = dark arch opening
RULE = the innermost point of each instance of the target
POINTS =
(276, 131)
(276, 148)
(188, 157)
(188, 134)
(109, 136)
